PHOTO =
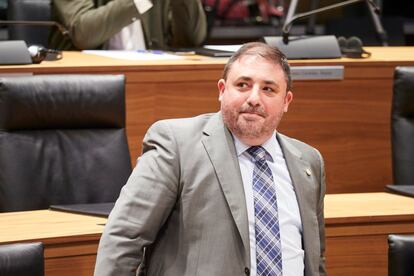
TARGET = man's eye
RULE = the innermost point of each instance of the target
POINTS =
(242, 84)
(268, 89)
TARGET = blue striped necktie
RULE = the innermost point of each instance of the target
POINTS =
(268, 245)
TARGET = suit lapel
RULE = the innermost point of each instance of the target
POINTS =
(298, 171)
(304, 185)
(219, 145)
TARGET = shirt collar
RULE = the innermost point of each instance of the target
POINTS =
(271, 146)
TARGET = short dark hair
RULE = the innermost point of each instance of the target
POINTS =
(267, 52)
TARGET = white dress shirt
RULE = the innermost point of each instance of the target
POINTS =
(131, 37)
(289, 217)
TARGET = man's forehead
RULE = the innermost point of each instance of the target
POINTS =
(254, 60)
(247, 66)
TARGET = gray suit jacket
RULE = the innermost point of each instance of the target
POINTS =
(185, 201)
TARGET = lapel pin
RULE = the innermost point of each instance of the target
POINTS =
(308, 172)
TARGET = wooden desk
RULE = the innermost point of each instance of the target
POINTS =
(70, 240)
(347, 120)
(357, 226)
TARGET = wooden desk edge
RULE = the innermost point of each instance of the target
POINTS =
(364, 220)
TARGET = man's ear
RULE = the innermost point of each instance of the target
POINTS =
(288, 100)
(221, 84)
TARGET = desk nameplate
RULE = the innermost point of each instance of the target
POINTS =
(317, 72)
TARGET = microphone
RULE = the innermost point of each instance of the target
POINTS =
(17, 52)
(288, 24)
(59, 26)
(320, 46)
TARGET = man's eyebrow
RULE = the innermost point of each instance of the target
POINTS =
(267, 82)
(271, 82)
(245, 78)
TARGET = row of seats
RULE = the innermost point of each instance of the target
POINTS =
(63, 141)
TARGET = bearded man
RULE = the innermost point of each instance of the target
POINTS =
(224, 193)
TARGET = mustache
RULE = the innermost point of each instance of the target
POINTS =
(259, 110)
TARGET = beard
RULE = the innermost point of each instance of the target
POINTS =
(242, 127)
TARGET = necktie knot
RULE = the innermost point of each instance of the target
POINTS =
(258, 153)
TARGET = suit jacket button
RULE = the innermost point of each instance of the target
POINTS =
(247, 271)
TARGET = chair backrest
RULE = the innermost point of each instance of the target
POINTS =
(62, 140)
(30, 10)
(400, 255)
(22, 259)
(402, 126)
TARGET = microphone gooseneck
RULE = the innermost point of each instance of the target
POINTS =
(288, 24)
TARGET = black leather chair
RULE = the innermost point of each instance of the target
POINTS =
(402, 122)
(402, 131)
(22, 259)
(30, 10)
(62, 140)
(400, 255)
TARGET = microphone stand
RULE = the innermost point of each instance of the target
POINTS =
(290, 18)
(381, 33)
(310, 28)
(314, 47)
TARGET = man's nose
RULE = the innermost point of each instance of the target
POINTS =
(254, 96)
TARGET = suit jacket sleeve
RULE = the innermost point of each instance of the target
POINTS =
(143, 206)
(189, 23)
(89, 27)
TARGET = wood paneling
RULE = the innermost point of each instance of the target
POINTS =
(360, 255)
(347, 120)
(81, 265)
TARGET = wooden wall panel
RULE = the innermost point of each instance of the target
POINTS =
(150, 102)
(347, 120)
(359, 255)
(81, 265)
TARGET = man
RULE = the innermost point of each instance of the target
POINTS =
(129, 24)
(200, 199)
